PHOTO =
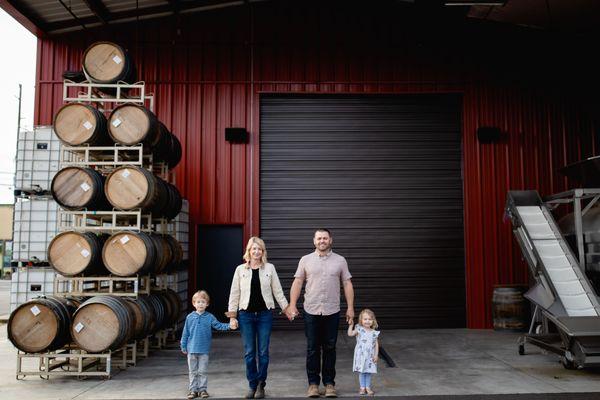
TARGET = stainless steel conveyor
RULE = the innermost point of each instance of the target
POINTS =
(566, 319)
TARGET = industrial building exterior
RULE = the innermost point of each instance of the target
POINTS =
(361, 118)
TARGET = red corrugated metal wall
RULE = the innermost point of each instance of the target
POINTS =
(208, 70)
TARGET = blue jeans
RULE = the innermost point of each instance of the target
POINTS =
(365, 379)
(321, 336)
(198, 366)
(256, 334)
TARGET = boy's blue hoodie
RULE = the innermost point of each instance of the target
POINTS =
(197, 332)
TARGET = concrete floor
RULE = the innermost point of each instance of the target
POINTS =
(429, 362)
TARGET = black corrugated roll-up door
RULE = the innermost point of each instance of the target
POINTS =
(383, 173)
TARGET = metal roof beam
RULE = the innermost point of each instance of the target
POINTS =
(98, 8)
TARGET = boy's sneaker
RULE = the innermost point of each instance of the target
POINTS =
(250, 394)
(204, 394)
(192, 395)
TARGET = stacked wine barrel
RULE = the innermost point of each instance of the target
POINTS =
(106, 322)
(95, 325)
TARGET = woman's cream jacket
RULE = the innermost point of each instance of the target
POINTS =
(270, 287)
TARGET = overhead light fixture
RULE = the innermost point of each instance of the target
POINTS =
(474, 3)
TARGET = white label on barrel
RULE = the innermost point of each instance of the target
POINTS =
(85, 253)
(125, 239)
(85, 186)
(116, 122)
(35, 310)
(87, 125)
(79, 327)
(117, 60)
(125, 173)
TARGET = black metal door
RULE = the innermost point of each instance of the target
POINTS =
(220, 251)
(384, 174)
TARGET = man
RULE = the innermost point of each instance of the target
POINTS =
(323, 271)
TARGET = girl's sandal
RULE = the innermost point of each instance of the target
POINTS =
(362, 391)
(370, 392)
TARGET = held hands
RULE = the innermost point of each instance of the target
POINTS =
(233, 323)
(350, 315)
(291, 312)
(375, 359)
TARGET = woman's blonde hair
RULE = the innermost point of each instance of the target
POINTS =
(256, 240)
(372, 314)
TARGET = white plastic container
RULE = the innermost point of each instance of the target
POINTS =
(37, 159)
(30, 282)
(35, 224)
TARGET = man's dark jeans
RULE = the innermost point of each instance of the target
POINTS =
(321, 337)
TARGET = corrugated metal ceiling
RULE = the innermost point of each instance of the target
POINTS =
(57, 16)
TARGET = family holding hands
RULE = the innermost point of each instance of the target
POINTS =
(254, 290)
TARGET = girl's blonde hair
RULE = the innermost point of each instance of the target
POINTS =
(201, 294)
(256, 240)
(372, 314)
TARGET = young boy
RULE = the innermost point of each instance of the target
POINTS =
(195, 342)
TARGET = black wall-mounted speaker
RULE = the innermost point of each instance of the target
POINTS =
(236, 135)
(488, 134)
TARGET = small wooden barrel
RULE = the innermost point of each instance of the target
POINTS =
(510, 309)
(103, 323)
(76, 124)
(131, 187)
(73, 253)
(76, 188)
(131, 124)
(176, 253)
(129, 253)
(106, 62)
(41, 324)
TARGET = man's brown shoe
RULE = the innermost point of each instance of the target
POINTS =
(330, 391)
(313, 391)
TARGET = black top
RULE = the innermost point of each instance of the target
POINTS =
(256, 303)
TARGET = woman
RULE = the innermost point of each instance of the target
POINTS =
(255, 284)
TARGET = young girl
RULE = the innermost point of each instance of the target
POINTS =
(366, 352)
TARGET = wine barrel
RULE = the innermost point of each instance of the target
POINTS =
(163, 254)
(77, 124)
(131, 187)
(103, 323)
(41, 324)
(150, 313)
(106, 62)
(128, 253)
(168, 148)
(141, 319)
(77, 188)
(131, 124)
(175, 306)
(176, 253)
(73, 253)
(174, 202)
(159, 306)
(510, 309)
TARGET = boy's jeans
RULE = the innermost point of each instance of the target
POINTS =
(198, 365)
